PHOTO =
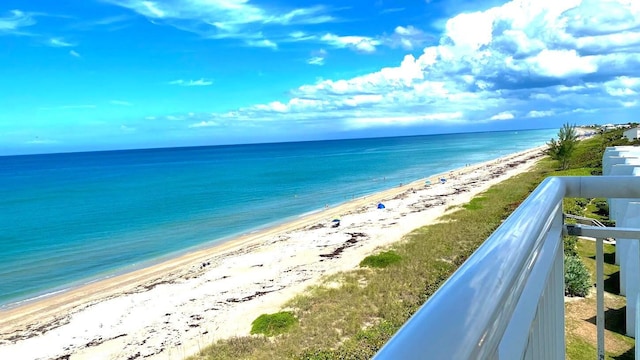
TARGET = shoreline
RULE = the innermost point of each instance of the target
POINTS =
(204, 275)
(209, 245)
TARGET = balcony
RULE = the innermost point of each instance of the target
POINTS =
(507, 300)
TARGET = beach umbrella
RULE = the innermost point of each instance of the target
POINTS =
(336, 222)
(380, 206)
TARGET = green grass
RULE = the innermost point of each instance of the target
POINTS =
(475, 203)
(587, 251)
(578, 348)
(586, 171)
(381, 260)
(273, 324)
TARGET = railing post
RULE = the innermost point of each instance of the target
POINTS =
(557, 283)
(618, 155)
(617, 212)
(631, 266)
(625, 160)
(637, 326)
(600, 296)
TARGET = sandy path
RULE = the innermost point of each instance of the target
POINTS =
(173, 309)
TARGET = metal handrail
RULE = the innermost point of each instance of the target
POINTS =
(467, 316)
(585, 220)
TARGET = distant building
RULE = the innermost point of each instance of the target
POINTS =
(632, 134)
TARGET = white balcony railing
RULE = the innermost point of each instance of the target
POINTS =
(507, 300)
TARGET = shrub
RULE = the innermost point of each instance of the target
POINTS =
(273, 324)
(574, 206)
(602, 206)
(577, 280)
(571, 246)
(381, 260)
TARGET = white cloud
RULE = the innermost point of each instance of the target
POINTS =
(407, 37)
(262, 43)
(74, 53)
(199, 82)
(316, 60)
(405, 31)
(391, 10)
(562, 63)
(110, 20)
(59, 42)
(471, 31)
(317, 57)
(540, 114)
(360, 43)
(535, 59)
(224, 18)
(152, 9)
(392, 77)
(15, 20)
(623, 86)
(361, 123)
(301, 36)
(298, 34)
(275, 106)
(505, 115)
(204, 124)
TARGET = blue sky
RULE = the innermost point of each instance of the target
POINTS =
(112, 74)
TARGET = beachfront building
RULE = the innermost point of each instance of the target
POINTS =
(507, 300)
(632, 134)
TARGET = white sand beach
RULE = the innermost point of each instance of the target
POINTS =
(173, 309)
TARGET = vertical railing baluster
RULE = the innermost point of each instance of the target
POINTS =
(637, 326)
(559, 305)
(600, 296)
(637, 318)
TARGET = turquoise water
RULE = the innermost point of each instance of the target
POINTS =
(71, 218)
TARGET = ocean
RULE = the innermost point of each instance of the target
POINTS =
(68, 219)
